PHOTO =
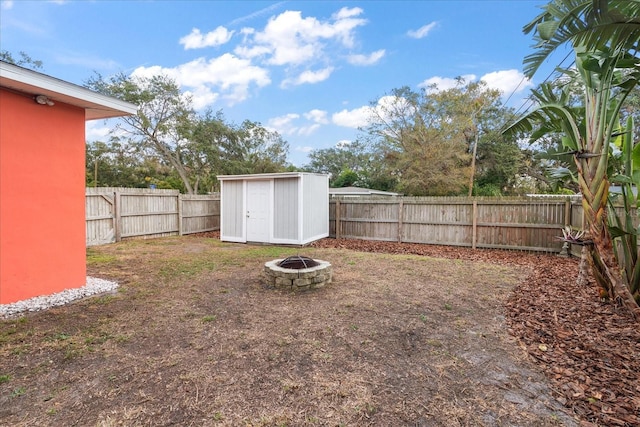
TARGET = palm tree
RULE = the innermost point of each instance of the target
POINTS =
(605, 37)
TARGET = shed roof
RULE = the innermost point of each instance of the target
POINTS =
(33, 83)
(267, 175)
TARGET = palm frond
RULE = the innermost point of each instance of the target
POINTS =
(595, 24)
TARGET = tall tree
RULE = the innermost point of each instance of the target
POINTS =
(429, 139)
(256, 150)
(605, 37)
(499, 162)
(219, 148)
(355, 162)
(420, 145)
(163, 117)
(332, 161)
(119, 164)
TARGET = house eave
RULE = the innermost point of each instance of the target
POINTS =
(32, 83)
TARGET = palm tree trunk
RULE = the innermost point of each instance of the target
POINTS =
(605, 267)
(583, 269)
(595, 191)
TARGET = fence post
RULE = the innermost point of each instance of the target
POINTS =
(180, 207)
(400, 218)
(566, 247)
(474, 231)
(337, 215)
(567, 212)
(117, 221)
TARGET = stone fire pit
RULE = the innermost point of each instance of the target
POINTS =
(297, 273)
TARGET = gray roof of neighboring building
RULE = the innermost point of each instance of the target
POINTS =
(357, 191)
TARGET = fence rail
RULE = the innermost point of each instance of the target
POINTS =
(521, 224)
(114, 214)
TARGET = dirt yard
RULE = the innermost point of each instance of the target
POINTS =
(406, 335)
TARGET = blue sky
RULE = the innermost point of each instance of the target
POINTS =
(306, 69)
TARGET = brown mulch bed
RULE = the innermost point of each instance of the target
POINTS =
(589, 349)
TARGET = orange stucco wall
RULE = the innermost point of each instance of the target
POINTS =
(42, 222)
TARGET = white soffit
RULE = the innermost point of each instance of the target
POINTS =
(96, 105)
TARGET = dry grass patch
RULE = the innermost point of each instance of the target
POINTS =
(194, 337)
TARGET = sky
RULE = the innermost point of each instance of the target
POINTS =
(307, 69)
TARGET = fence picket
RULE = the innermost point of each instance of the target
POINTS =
(113, 214)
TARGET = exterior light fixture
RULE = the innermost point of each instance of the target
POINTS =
(44, 100)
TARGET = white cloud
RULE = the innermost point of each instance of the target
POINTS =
(251, 51)
(154, 70)
(197, 40)
(307, 130)
(445, 83)
(6, 4)
(317, 116)
(309, 76)
(343, 143)
(314, 76)
(507, 81)
(305, 47)
(228, 74)
(346, 23)
(284, 124)
(370, 59)
(345, 13)
(422, 31)
(361, 116)
(290, 39)
(202, 96)
(96, 130)
(287, 124)
(352, 118)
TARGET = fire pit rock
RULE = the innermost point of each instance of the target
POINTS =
(297, 273)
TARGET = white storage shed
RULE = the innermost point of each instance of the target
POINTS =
(285, 208)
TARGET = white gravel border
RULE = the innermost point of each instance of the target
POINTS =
(94, 286)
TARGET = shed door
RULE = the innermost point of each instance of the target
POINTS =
(258, 218)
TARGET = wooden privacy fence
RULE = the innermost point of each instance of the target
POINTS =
(521, 224)
(113, 214)
(531, 224)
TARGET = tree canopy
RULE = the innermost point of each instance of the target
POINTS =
(422, 143)
(424, 146)
(196, 147)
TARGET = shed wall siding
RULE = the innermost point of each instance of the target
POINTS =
(232, 215)
(315, 207)
(286, 213)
